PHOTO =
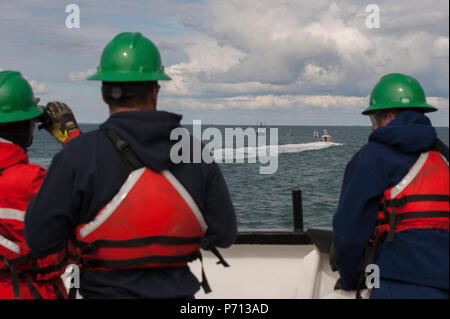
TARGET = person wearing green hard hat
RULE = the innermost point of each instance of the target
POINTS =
(19, 183)
(393, 94)
(133, 217)
(394, 205)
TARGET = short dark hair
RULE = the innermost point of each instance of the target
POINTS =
(127, 94)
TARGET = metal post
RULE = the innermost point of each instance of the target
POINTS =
(297, 205)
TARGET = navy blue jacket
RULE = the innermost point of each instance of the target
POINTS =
(415, 256)
(88, 172)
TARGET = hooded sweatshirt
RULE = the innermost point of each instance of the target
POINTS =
(86, 175)
(415, 256)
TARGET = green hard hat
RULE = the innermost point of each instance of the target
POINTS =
(16, 98)
(395, 91)
(130, 57)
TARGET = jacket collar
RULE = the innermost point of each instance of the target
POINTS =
(11, 154)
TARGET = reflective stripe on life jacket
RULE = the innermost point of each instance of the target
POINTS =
(419, 200)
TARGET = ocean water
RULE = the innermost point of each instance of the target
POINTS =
(264, 201)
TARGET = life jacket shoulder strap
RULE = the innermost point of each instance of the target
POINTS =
(125, 152)
(437, 146)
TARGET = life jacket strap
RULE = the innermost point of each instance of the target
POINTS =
(90, 248)
(125, 152)
(34, 269)
(402, 201)
(206, 245)
(414, 215)
(369, 256)
(204, 284)
(392, 218)
(57, 290)
(15, 277)
(137, 262)
(437, 146)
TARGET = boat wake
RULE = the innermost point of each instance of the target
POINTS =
(249, 152)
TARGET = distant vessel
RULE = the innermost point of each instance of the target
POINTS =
(290, 133)
(316, 134)
(326, 138)
(261, 130)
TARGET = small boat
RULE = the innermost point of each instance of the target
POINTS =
(290, 133)
(326, 137)
(316, 134)
(260, 130)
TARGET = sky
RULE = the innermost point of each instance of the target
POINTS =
(237, 62)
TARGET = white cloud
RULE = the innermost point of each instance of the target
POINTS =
(80, 76)
(440, 47)
(262, 48)
(270, 54)
(273, 102)
(268, 102)
(439, 102)
(38, 87)
(206, 59)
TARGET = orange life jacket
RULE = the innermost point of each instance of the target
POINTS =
(419, 200)
(151, 222)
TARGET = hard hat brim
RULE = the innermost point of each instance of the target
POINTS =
(115, 76)
(425, 107)
(20, 115)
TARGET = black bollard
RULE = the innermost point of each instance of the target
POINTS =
(297, 206)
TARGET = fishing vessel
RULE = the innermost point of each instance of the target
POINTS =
(260, 130)
(326, 137)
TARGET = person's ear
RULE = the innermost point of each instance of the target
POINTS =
(104, 99)
(153, 96)
(391, 116)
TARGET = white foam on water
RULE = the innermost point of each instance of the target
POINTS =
(250, 152)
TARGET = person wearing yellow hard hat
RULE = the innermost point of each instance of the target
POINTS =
(23, 274)
(394, 206)
(133, 216)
